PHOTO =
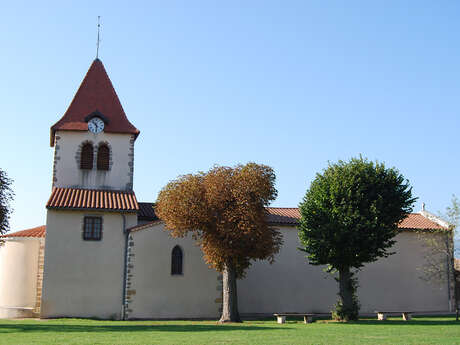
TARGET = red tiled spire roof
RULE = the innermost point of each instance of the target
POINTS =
(95, 94)
(39, 231)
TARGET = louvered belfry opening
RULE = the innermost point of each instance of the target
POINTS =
(176, 261)
(103, 157)
(87, 155)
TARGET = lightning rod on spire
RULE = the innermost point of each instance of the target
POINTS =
(98, 35)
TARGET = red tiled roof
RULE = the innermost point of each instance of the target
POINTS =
(417, 221)
(39, 231)
(283, 215)
(74, 198)
(96, 93)
(291, 216)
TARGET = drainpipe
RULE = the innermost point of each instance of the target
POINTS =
(125, 267)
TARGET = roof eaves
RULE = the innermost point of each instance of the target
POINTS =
(90, 209)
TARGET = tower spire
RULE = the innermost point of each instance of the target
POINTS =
(98, 36)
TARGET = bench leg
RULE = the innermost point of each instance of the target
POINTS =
(308, 319)
(281, 319)
(406, 316)
(381, 316)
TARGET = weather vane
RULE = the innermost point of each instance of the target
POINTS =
(98, 32)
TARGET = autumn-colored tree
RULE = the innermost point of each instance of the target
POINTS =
(225, 210)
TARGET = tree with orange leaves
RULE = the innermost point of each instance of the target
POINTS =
(225, 210)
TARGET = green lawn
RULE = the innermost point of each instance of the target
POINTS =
(421, 330)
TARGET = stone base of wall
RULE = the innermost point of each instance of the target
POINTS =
(38, 294)
(130, 291)
(16, 312)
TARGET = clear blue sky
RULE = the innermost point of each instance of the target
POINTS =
(292, 84)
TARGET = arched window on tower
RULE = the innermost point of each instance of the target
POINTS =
(103, 157)
(176, 261)
(86, 158)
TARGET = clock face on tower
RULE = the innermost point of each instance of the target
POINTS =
(96, 125)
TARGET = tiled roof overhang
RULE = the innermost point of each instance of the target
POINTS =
(37, 232)
(92, 199)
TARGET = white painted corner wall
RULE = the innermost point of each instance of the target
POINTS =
(83, 278)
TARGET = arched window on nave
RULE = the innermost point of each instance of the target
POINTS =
(176, 260)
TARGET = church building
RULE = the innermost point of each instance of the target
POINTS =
(103, 254)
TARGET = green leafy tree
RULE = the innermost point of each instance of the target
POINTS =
(6, 196)
(349, 217)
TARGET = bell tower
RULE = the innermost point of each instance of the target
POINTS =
(94, 141)
(92, 204)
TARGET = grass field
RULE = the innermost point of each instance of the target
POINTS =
(421, 330)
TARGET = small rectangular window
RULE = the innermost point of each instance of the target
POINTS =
(92, 228)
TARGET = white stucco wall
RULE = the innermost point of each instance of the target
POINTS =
(288, 285)
(395, 282)
(162, 295)
(292, 285)
(18, 272)
(67, 172)
(83, 278)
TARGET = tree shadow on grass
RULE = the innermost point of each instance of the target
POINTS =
(23, 327)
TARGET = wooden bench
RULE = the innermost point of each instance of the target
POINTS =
(382, 315)
(307, 317)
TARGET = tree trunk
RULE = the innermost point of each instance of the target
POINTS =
(230, 299)
(349, 307)
(346, 292)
